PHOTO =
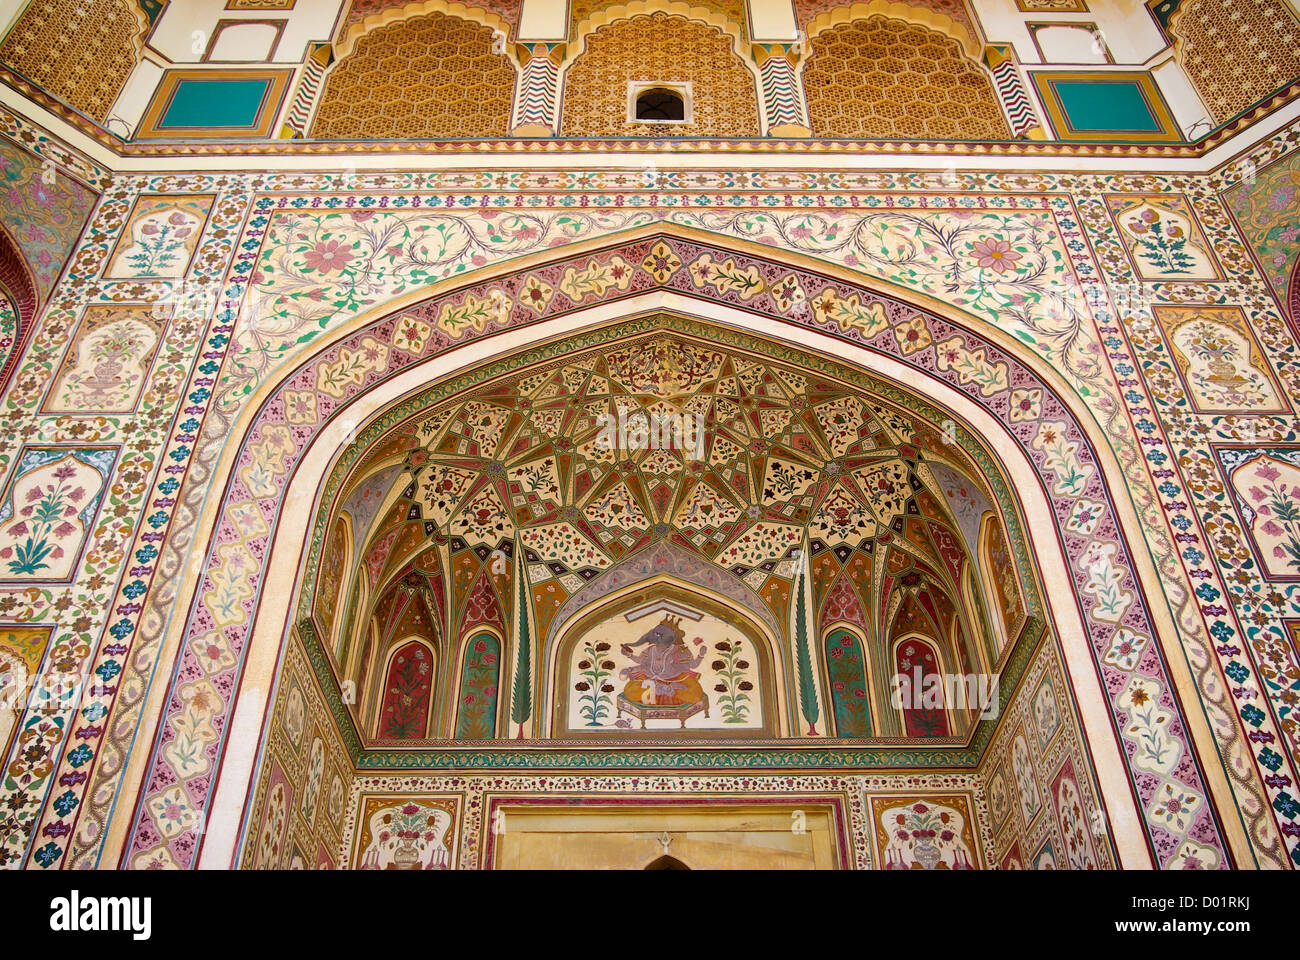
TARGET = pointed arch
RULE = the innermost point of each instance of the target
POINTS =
(918, 83)
(19, 289)
(761, 702)
(336, 571)
(603, 15)
(318, 445)
(911, 13)
(354, 32)
(710, 67)
(1001, 591)
(921, 669)
(377, 88)
(478, 696)
(406, 696)
(401, 614)
(848, 669)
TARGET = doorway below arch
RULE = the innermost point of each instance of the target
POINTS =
(702, 834)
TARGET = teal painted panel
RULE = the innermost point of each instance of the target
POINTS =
(215, 103)
(477, 717)
(848, 685)
(1106, 106)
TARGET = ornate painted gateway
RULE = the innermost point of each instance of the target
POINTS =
(761, 433)
(669, 539)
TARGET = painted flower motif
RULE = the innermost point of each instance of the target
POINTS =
(535, 294)
(913, 335)
(1175, 806)
(42, 195)
(995, 255)
(328, 256)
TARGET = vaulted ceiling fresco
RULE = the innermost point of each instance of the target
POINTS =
(673, 445)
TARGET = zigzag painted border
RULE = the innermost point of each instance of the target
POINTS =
(1015, 102)
(539, 87)
(782, 96)
(300, 111)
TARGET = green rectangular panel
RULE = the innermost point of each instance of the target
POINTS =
(1106, 106)
(215, 103)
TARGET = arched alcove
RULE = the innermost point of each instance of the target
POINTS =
(880, 77)
(618, 56)
(669, 660)
(19, 301)
(382, 87)
(685, 473)
(636, 310)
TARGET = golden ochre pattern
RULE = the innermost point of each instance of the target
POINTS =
(429, 77)
(733, 10)
(659, 48)
(886, 78)
(80, 52)
(1236, 54)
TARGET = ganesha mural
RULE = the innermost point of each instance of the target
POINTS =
(665, 667)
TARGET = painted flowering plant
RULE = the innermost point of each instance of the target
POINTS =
(45, 520)
(1280, 503)
(160, 244)
(479, 692)
(1162, 243)
(595, 686)
(730, 669)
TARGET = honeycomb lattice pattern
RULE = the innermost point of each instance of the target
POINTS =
(80, 52)
(429, 77)
(1235, 53)
(882, 78)
(659, 48)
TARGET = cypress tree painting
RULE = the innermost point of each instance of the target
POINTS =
(807, 683)
(521, 704)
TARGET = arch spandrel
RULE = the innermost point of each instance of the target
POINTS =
(884, 348)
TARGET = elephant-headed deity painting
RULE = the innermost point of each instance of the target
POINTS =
(668, 664)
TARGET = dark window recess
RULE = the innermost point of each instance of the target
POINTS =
(666, 863)
(660, 105)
